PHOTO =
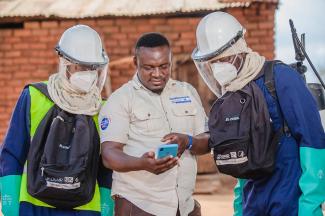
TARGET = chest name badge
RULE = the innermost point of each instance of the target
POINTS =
(179, 100)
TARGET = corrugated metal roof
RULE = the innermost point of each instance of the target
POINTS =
(99, 8)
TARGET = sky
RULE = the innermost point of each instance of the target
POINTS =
(308, 17)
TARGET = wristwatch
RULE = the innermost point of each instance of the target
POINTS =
(190, 142)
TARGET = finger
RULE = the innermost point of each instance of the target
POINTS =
(164, 168)
(172, 140)
(172, 163)
(168, 164)
(168, 137)
(151, 154)
(145, 155)
(169, 141)
(163, 160)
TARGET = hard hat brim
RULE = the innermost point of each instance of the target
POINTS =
(103, 61)
(198, 56)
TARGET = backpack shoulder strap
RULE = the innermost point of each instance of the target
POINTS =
(270, 85)
(269, 77)
(42, 87)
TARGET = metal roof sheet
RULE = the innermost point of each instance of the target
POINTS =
(99, 8)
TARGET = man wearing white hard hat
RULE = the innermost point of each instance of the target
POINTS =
(227, 64)
(76, 90)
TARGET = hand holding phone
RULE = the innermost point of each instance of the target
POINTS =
(152, 164)
(165, 150)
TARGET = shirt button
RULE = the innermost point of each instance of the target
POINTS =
(186, 111)
(149, 114)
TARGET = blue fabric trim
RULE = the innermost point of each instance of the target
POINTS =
(106, 202)
(10, 190)
(312, 181)
(238, 194)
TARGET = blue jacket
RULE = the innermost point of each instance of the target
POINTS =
(297, 186)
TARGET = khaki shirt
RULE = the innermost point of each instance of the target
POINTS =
(139, 118)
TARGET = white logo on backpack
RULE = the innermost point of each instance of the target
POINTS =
(234, 118)
(64, 147)
(68, 179)
(231, 158)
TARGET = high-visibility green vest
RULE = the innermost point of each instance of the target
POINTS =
(39, 106)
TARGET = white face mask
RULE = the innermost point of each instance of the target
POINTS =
(84, 80)
(224, 72)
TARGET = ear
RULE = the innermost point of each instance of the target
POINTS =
(135, 61)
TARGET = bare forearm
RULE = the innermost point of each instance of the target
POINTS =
(117, 160)
(200, 144)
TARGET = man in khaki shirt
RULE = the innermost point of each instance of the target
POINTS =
(149, 110)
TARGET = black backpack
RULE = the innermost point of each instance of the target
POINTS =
(63, 158)
(241, 136)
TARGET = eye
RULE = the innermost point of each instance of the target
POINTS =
(164, 66)
(147, 68)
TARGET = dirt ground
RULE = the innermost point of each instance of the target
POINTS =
(216, 204)
(215, 194)
(212, 205)
(219, 204)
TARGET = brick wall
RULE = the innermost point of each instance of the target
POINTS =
(27, 54)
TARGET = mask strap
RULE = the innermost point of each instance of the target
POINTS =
(237, 55)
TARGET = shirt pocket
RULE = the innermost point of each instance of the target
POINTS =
(148, 122)
(184, 118)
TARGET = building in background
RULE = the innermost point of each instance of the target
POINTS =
(30, 29)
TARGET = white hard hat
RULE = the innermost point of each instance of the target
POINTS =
(81, 44)
(215, 33)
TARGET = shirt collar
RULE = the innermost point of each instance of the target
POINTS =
(136, 82)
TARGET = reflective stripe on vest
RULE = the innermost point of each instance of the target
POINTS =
(39, 106)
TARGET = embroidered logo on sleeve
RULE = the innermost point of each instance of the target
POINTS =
(104, 123)
(182, 99)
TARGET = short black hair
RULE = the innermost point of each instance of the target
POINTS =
(151, 39)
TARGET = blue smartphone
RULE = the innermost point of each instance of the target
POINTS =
(165, 150)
